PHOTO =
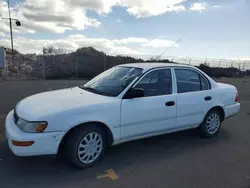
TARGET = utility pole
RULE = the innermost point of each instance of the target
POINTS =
(18, 23)
(11, 34)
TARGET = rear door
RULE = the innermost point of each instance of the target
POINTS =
(194, 97)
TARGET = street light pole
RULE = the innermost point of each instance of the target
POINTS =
(18, 23)
(11, 34)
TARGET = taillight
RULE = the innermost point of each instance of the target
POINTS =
(237, 97)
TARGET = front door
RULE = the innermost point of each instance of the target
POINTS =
(153, 113)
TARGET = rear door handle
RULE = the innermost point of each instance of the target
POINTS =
(208, 98)
(170, 103)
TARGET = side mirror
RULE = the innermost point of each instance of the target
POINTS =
(134, 93)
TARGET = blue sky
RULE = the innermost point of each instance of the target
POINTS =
(209, 28)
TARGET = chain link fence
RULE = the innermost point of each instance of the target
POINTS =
(89, 62)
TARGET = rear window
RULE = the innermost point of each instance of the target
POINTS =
(190, 81)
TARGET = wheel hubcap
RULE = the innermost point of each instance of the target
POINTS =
(90, 147)
(213, 123)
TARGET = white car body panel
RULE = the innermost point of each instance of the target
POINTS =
(45, 143)
(127, 119)
(192, 108)
(152, 116)
(70, 107)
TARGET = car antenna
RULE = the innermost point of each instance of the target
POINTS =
(158, 58)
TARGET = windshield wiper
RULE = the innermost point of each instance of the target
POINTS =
(93, 90)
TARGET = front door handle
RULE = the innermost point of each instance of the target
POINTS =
(208, 98)
(170, 103)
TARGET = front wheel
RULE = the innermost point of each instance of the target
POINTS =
(211, 124)
(85, 146)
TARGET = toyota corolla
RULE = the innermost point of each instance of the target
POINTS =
(124, 103)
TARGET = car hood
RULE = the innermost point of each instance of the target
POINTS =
(48, 103)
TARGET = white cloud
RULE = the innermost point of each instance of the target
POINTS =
(246, 58)
(118, 20)
(159, 43)
(101, 6)
(146, 8)
(61, 15)
(131, 40)
(154, 43)
(73, 42)
(198, 6)
(46, 15)
(2, 34)
(216, 6)
(138, 8)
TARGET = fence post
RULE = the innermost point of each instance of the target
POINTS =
(104, 62)
(18, 68)
(244, 66)
(190, 61)
(76, 68)
(205, 62)
(232, 64)
(44, 71)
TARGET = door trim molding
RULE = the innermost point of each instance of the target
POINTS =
(147, 121)
(157, 119)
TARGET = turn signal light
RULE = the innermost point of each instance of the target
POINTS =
(22, 143)
(41, 127)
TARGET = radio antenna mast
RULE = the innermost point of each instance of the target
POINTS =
(168, 49)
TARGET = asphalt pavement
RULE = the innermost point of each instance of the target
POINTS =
(176, 160)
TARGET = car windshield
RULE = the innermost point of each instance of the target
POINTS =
(113, 81)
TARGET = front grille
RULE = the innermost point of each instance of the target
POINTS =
(15, 117)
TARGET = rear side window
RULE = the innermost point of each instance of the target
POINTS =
(190, 81)
(204, 83)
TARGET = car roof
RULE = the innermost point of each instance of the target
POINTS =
(151, 65)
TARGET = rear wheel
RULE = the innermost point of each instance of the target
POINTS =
(85, 146)
(211, 124)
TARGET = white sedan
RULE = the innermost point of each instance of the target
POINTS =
(124, 103)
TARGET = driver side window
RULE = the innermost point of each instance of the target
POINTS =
(156, 83)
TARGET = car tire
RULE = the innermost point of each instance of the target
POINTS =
(85, 146)
(211, 124)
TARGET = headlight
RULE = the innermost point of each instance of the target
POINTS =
(31, 127)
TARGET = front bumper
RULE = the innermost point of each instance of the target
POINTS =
(44, 143)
